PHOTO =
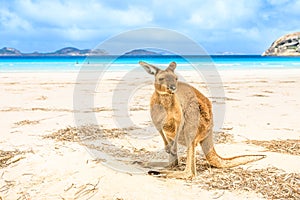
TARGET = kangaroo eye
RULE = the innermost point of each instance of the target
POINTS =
(161, 79)
(176, 78)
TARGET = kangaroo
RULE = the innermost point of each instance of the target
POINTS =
(183, 115)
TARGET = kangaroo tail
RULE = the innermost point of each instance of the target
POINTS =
(217, 161)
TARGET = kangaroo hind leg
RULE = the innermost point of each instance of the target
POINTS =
(190, 168)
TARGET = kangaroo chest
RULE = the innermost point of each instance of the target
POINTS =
(166, 113)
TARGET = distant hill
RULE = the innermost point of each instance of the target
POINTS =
(287, 45)
(138, 52)
(6, 51)
(67, 51)
(72, 51)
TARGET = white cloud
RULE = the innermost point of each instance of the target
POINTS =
(291, 8)
(277, 2)
(83, 14)
(77, 34)
(78, 20)
(9, 22)
(134, 16)
(250, 33)
(215, 22)
(223, 14)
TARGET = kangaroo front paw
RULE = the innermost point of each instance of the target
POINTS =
(170, 148)
(173, 150)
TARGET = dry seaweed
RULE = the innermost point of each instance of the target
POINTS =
(101, 109)
(77, 134)
(19, 109)
(222, 137)
(42, 98)
(139, 108)
(280, 146)
(260, 95)
(271, 182)
(9, 157)
(27, 122)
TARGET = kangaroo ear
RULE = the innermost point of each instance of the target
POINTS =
(172, 66)
(151, 69)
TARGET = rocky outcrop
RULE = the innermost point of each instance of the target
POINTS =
(287, 45)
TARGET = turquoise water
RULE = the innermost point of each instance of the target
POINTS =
(19, 64)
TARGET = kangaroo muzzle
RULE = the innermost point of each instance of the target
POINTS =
(172, 88)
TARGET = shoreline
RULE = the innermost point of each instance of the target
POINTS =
(137, 67)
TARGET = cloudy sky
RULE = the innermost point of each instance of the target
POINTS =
(240, 26)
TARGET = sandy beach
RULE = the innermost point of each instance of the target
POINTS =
(50, 149)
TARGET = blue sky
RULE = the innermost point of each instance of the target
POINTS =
(240, 26)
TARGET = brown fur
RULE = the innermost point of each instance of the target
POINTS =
(183, 115)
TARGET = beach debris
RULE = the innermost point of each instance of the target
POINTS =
(280, 146)
(271, 182)
(50, 109)
(87, 190)
(11, 109)
(87, 132)
(222, 137)
(101, 109)
(81, 191)
(27, 122)
(259, 95)
(42, 98)
(19, 109)
(10, 157)
(138, 108)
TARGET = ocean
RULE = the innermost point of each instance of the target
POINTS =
(112, 63)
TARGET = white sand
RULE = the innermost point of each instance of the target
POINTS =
(261, 105)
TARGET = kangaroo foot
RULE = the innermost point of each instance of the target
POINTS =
(173, 174)
(171, 147)
(173, 163)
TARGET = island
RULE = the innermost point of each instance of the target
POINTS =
(287, 45)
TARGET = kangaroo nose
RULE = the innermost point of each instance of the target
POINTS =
(172, 87)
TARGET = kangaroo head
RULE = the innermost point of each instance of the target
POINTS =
(165, 80)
